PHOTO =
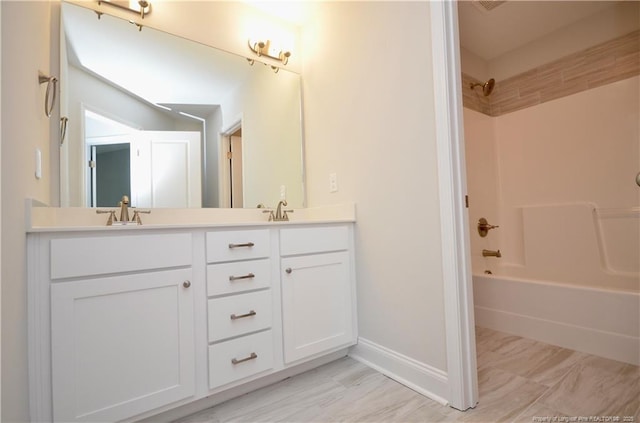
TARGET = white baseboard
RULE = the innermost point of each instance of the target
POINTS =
(420, 377)
(592, 341)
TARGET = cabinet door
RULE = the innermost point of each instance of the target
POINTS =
(316, 304)
(121, 345)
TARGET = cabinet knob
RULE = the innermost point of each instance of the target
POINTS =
(186, 284)
(288, 270)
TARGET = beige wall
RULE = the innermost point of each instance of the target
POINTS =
(367, 80)
(25, 128)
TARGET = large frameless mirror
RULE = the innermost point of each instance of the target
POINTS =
(171, 122)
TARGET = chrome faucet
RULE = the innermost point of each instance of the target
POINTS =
(491, 253)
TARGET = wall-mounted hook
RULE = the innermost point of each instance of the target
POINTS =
(49, 99)
(63, 128)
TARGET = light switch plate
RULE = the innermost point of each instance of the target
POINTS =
(333, 182)
(38, 163)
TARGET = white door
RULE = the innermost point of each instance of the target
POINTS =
(166, 170)
(121, 345)
(316, 304)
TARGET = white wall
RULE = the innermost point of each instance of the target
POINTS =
(24, 129)
(598, 28)
(482, 182)
(369, 118)
(210, 196)
(555, 162)
(279, 93)
(85, 90)
(611, 23)
(225, 25)
(0, 213)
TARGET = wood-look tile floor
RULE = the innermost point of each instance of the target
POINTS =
(520, 380)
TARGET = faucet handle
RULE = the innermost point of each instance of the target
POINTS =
(271, 216)
(112, 216)
(285, 216)
(136, 215)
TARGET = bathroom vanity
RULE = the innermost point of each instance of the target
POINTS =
(126, 322)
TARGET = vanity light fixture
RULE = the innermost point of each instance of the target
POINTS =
(142, 7)
(262, 48)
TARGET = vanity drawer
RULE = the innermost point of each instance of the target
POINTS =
(239, 358)
(72, 257)
(236, 277)
(237, 245)
(313, 240)
(252, 312)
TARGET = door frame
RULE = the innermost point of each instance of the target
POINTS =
(454, 219)
(224, 181)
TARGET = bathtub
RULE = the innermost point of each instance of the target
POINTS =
(603, 322)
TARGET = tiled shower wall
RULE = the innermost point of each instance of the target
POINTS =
(602, 64)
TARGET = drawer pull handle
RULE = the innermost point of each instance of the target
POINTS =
(186, 284)
(247, 276)
(288, 270)
(235, 361)
(246, 244)
(249, 314)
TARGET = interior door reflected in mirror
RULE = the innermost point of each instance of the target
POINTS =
(152, 168)
(177, 105)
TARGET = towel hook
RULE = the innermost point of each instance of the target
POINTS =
(64, 121)
(49, 99)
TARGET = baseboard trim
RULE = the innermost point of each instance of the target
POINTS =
(592, 341)
(422, 378)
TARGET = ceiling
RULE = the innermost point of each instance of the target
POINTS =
(490, 34)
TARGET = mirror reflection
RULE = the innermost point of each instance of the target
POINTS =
(171, 122)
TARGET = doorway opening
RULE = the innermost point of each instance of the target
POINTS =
(232, 179)
(153, 168)
(112, 178)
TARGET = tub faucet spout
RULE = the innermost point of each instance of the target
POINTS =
(491, 253)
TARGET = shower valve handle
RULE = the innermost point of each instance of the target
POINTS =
(484, 227)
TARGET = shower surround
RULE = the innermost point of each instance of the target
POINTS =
(555, 166)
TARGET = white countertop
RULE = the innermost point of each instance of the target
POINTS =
(71, 219)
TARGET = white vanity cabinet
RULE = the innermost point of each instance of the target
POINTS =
(122, 325)
(239, 305)
(129, 322)
(318, 290)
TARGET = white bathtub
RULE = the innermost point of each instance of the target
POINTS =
(596, 321)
